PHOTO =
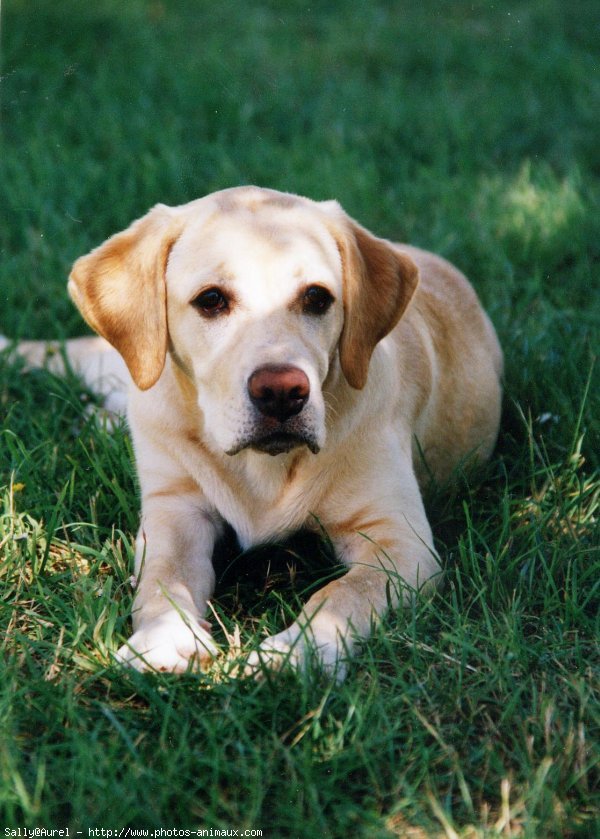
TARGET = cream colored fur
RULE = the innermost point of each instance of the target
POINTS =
(404, 364)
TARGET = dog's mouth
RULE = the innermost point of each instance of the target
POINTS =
(277, 442)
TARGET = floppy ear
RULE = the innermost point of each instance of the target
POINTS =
(379, 282)
(120, 290)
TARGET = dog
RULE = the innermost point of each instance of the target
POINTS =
(285, 369)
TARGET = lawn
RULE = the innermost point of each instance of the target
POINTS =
(468, 128)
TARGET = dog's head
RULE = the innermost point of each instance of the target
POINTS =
(261, 298)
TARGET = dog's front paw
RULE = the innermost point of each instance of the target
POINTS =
(171, 643)
(296, 646)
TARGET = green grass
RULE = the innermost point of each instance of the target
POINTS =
(467, 128)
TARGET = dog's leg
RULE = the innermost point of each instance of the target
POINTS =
(388, 550)
(37, 354)
(99, 365)
(175, 581)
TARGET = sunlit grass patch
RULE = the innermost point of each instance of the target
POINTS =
(563, 502)
(538, 208)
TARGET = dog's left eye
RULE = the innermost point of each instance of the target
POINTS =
(316, 300)
(211, 302)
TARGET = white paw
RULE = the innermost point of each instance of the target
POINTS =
(296, 646)
(172, 642)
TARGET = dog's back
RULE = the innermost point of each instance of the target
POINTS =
(459, 367)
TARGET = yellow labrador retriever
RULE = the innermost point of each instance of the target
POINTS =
(289, 370)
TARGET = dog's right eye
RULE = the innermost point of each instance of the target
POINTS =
(316, 300)
(211, 302)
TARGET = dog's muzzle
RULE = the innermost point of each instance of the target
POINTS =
(279, 394)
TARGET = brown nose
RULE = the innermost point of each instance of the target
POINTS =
(279, 391)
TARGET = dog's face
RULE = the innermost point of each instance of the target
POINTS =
(255, 313)
(260, 297)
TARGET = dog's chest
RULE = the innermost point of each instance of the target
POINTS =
(263, 497)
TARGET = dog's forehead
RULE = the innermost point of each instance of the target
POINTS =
(255, 240)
